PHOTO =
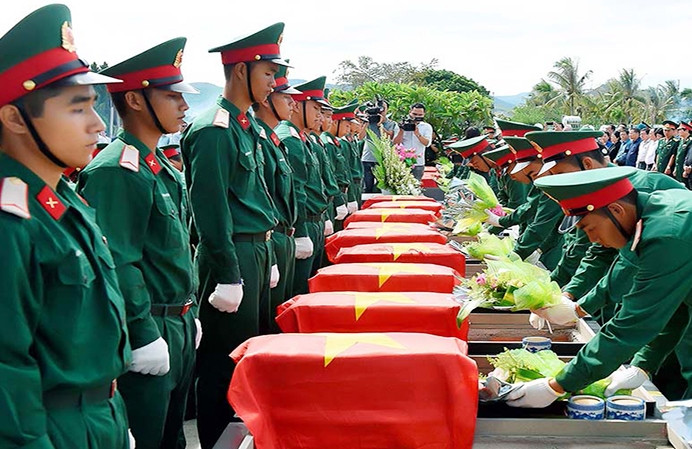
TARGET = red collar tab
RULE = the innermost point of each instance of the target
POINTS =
(171, 152)
(567, 149)
(582, 205)
(303, 136)
(256, 53)
(152, 163)
(275, 139)
(152, 77)
(476, 149)
(38, 71)
(243, 120)
(50, 201)
(310, 95)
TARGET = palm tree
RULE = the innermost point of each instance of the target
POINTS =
(662, 100)
(570, 82)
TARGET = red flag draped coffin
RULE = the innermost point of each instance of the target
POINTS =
(352, 312)
(425, 205)
(379, 198)
(346, 391)
(392, 215)
(392, 228)
(386, 233)
(384, 277)
(421, 252)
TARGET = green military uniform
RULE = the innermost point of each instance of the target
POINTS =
(341, 170)
(523, 214)
(665, 149)
(233, 215)
(510, 193)
(683, 147)
(63, 329)
(141, 206)
(334, 195)
(356, 166)
(653, 319)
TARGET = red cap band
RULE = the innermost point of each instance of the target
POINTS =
(524, 155)
(249, 54)
(343, 116)
(137, 80)
(584, 204)
(504, 160)
(281, 81)
(478, 148)
(14, 80)
(569, 148)
(686, 126)
(309, 95)
(516, 132)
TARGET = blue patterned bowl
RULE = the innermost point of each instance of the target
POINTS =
(628, 408)
(535, 344)
(586, 407)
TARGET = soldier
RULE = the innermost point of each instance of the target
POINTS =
(471, 151)
(654, 319)
(681, 153)
(331, 145)
(667, 147)
(278, 174)
(141, 206)
(234, 216)
(342, 121)
(307, 176)
(63, 329)
(512, 194)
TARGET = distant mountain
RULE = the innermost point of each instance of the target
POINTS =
(505, 103)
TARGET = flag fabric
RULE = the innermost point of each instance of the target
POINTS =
(386, 233)
(429, 180)
(354, 312)
(347, 391)
(392, 215)
(379, 198)
(384, 277)
(432, 206)
(410, 252)
(407, 227)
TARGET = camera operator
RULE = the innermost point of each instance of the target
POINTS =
(416, 134)
(378, 123)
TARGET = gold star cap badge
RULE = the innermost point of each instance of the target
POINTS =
(67, 38)
(178, 59)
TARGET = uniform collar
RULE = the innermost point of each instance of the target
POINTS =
(44, 195)
(245, 121)
(269, 132)
(145, 154)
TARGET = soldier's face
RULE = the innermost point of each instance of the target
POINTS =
(70, 126)
(170, 108)
(344, 128)
(284, 105)
(313, 113)
(600, 229)
(479, 163)
(326, 120)
(263, 81)
(531, 170)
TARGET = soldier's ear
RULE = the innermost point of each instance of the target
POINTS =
(240, 71)
(134, 100)
(12, 120)
(617, 209)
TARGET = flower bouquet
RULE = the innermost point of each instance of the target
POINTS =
(476, 196)
(490, 245)
(408, 155)
(390, 171)
(507, 284)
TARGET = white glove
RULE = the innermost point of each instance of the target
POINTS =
(275, 276)
(131, 439)
(304, 248)
(493, 219)
(626, 379)
(227, 297)
(151, 359)
(341, 212)
(198, 334)
(535, 394)
(563, 314)
(352, 206)
(536, 321)
(534, 257)
(328, 227)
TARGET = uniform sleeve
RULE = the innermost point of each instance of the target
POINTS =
(516, 193)
(592, 268)
(521, 213)
(572, 255)
(328, 176)
(23, 421)
(123, 201)
(296, 157)
(657, 292)
(210, 157)
(548, 213)
(651, 357)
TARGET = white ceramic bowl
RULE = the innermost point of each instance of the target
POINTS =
(628, 408)
(586, 407)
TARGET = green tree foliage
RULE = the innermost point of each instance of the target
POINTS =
(366, 70)
(448, 80)
(448, 112)
(103, 104)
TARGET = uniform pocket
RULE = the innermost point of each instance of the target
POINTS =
(75, 269)
(164, 204)
(247, 160)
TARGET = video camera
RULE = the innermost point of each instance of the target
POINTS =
(409, 124)
(374, 109)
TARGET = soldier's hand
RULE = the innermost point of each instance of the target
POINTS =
(198, 333)
(493, 219)
(341, 212)
(227, 297)
(352, 206)
(275, 276)
(626, 379)
(131, 439)
(304, 248)
(328, 227)
(151, 359)
(562, 314)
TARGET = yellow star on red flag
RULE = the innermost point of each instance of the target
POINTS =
(365, 300)
(387, 269)
(400, 248)
(336, 344)
(390, 228)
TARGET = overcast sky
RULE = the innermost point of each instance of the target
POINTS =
(506, 45)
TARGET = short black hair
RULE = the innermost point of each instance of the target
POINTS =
(418, 106)
(34, 102)
(658, 132)
(472, 131)
(596, 155)
(635, 129)
(119, 103)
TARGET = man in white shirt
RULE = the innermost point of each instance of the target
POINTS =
(417, 134)
(644, 146)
